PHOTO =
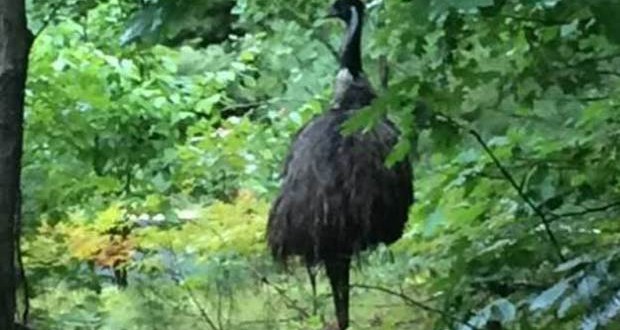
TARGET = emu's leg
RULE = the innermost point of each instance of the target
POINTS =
(338, 274)
(312, 276)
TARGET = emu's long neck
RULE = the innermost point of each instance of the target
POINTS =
(351, 57)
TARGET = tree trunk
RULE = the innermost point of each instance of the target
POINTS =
(14, 48)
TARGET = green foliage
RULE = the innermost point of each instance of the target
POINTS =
(154, 163)
(171, 22)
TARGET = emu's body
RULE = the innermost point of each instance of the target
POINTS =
(338, 197)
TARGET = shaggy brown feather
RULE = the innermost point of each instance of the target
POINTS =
(337, 196)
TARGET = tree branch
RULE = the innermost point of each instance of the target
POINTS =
(201, 309)
(290, 303)
(230, 110)
(264, 322)
(586, 210)
(306, 25)
(408, 300)
(581, 62)
(176, 277)
(608, 72)
(48, 19)
(535, 20)
(545, 221)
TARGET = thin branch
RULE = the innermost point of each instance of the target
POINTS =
(593, 98)
(608, 72)
(535, 20)
(176, 277)
(545, 221)
(290, 303)
(165, 300)
(201, 309)
(585, 211)
(238, 106)
(593, 59)
(306, 25)
(48, 19)
(234, 107)
(265, 322)
(413, 302)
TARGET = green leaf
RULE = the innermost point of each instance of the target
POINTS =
(607, 13)
(503, 311)
(549, 296)
(400, 152)
(443, 5)
(160, 183)
(570, 264)
(588, 287)
(434, 221)
(363, 119)
(146, 22)
(566, 305)
(206, 105)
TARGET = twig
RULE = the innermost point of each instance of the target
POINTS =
(176, 277)
(201, 309)
(165, 300)
(306, 25)
(535, 20)
(234, 107)
(593, 98)
(254, 322)
(606, 57)
(290, 303)
(585, 211)
(238, 106)
(415, 303)
(545, 221)
(48, 19)
(608, 72)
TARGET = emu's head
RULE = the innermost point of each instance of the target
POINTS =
(346, 9)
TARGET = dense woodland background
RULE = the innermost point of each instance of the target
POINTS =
(155, 133)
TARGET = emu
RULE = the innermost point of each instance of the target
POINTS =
(337, 196)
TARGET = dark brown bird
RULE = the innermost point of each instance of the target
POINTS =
(337, 196)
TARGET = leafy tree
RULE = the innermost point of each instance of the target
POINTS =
(155, 131)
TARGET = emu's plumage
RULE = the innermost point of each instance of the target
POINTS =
(337, 196)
